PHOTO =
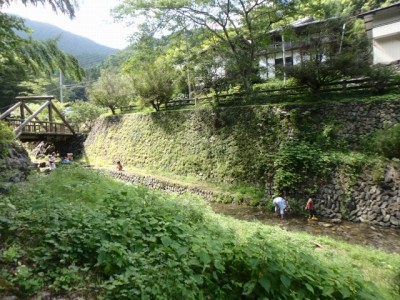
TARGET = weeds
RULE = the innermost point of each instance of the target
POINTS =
(75, 231)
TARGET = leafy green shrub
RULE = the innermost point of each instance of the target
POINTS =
(274, 83)
(385, 142)
(131, 243)
(84, 114)
(381, 76)
(155, 90)
(6, 134)
(299, 166)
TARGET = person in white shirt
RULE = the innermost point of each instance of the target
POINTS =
(280, 205)
(52, 161)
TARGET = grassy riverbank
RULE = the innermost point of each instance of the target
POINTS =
(75, 233)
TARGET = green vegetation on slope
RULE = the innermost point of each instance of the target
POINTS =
(6, 134)
(77, 233)
(228, 145)
(292, 146)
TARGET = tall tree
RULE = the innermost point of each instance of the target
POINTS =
(323, 9)
(83, 114)
(111, 90)
(66, 7)
(358, 6)
(155, 84)
(238, 25)
(144, 50)
(171, 49)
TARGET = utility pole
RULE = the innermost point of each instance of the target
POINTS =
(187, 59)
(284, 59)
(341, 38)
(61, 87)
(187, 68)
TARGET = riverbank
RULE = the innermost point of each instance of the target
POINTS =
(386, 239)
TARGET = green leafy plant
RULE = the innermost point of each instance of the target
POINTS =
(116, 241)
(12, 254)
(385, 142)
(155, 90)
(299, 166)
(83, 114)
(6, 134)
(382, 76)
(274, 83)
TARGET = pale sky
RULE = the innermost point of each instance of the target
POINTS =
(92, 20)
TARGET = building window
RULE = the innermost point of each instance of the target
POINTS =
(288, 61)
(279, 72)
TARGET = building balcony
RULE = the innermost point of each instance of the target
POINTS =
(385, 30)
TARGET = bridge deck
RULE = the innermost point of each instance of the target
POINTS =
(41, 127)
(41, 130)
(31, 127)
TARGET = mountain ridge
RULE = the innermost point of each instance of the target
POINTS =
(87, 51)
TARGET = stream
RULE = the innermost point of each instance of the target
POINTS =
(386, 239)
(382, 238)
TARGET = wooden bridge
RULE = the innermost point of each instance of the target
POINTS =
(28, 127)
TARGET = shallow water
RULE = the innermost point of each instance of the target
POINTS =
(386, 239)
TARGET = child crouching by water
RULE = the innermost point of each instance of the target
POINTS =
(119, 166)
(280, 206)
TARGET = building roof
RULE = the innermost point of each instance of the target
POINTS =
(299, 23)
(374, 11)
(305, 22)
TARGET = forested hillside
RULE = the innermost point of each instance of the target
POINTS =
(87, 51)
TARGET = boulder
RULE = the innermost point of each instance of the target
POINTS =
(394, 221)
(336, 221)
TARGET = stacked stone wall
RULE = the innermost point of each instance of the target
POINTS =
(357, 119)
(366, 199)
(165, 185)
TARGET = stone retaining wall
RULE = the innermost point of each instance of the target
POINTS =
(361, 118)
(369, 200)
(154, 183)
(365, 201)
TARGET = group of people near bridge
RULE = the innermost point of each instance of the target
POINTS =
(52, 160)
(281, 206)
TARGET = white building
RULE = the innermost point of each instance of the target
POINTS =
(383, 29)
(284, 51)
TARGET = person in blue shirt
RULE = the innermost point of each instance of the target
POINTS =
(65, 161)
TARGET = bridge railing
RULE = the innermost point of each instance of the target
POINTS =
(41, 127)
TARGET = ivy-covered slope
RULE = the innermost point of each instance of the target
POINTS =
(235, 144)
(222, 145)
